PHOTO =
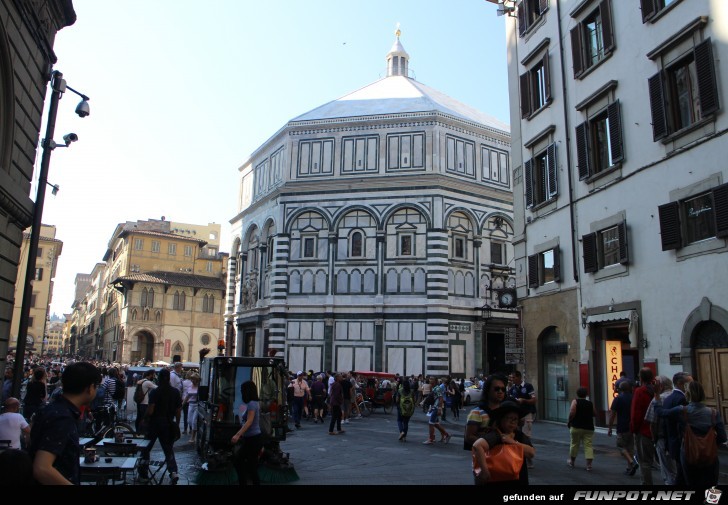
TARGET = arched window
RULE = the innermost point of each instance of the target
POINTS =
(392, 281)
(179, 300)
(342, 282)
(420, 280)
(158, 316)
(370, 281)
(146, 315)
(208, 303)
(133, 315)
(405, 281)
(460, 230)
(356, 249)
(147, 298)
(355, 282)
(459, 283)
(469, 284)
(305, 232)
(307, 282)
(295, 282)
(271, 249)
(320, 282)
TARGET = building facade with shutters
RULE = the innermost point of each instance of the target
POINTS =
(621, 202)
(46, 263)
(27, 33)
(370, 232)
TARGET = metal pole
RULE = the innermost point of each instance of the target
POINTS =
(57, 87)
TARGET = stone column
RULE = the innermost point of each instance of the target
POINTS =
(278, 294)
(332, 256)
(437, 354)
(232, 272)
(477, 243)
(381, 274)
(328, 343)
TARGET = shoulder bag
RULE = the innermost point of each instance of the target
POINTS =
(699, 451)
(504, 462)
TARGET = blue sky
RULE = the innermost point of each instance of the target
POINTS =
(182, 92)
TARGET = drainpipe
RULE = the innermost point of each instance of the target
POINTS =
(567, 129)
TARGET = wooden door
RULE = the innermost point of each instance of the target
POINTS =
(712, 372)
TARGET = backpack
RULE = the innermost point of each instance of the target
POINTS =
(119, 390)
(699, 451)
(406, 405)
(99, 399)
(139, 393)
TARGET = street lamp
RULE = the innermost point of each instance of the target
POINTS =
(58, 87)
(486, 312)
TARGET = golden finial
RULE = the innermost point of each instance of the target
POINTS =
(398, 32)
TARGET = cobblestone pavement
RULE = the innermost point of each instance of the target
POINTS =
(369, 452)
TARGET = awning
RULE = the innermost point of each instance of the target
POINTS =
(623, 315)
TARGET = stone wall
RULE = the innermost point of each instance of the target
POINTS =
(27, 33)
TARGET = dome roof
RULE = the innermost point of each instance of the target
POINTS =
(398, 95)
(398, 49)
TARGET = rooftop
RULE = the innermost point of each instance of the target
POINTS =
(172, 278)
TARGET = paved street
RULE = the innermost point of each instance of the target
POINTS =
(369, 453)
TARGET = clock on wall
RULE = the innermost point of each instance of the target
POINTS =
(507, 298)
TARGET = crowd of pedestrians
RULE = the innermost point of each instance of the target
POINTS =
(649, 416)
(59, 399)
(652, 417)
(314, 396)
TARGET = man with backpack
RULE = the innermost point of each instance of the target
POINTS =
(141, 397)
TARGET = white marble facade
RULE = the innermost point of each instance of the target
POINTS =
(368, 227)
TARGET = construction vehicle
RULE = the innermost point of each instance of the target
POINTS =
(220, 399)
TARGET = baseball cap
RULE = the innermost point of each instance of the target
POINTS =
(299, 373)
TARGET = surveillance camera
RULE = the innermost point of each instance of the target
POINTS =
(83, 109)
(70, 137)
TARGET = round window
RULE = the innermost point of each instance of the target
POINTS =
(205, 339)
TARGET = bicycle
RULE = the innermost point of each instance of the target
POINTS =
(364, 404)
(102, 423)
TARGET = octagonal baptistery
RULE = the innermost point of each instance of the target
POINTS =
(369, 231)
